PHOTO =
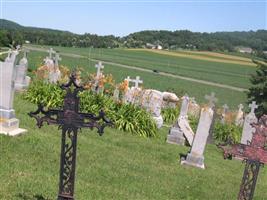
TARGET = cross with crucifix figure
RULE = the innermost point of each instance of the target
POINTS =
(212, 99)
(253, 106)
(70, 120)
(51, 51)
(136, 81)
(253, 153)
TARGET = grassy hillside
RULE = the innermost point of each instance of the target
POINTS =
(115, 166)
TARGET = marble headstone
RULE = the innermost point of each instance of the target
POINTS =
(22, 81)
(181, 130)
(9, 125)
(248, 130)
(196, 155)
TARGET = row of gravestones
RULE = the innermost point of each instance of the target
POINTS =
(13, 77)
(181, 131)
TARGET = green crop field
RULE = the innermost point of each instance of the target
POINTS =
(218, 72)
(230, 74)
(117, 165)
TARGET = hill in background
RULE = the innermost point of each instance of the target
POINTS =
(247, 41)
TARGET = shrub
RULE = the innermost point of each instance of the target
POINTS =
(40, 92)
(170, 115)
(225, 132)
(126, 117)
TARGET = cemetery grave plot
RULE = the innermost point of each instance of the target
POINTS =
(198, 145)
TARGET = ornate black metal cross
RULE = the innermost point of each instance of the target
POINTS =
(254, 154)
(70, 120)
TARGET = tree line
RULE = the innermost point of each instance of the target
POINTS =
(13, 33)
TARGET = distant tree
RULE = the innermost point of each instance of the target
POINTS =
(258, 92)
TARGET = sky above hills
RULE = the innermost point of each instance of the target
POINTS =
(120, 17)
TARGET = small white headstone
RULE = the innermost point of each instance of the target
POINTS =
(248, 130)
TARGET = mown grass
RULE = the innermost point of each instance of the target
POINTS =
(151, 80)
(218, 72)
(117, 165)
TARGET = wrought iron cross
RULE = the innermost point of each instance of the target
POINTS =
(254, 154)
(70, 120)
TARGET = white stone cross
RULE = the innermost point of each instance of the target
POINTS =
(128, 79)
(51, 51)
(57, 58)
(99, 66)
(136, 81)
(212, 99)
(253, 106)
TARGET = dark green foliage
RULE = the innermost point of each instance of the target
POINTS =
(126, 117)
(218, 41)
(258, 92)
(226, 132)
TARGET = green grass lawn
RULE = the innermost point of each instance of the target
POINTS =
(225, 73)
(117, 165)
(151, 80)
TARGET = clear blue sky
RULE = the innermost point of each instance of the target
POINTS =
(120, 17)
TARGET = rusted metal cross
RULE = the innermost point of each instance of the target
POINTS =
(254, 154)
(70, 120)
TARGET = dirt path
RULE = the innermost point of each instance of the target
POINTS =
(147, 70)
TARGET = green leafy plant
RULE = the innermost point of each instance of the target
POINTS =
(193, 121)
(170, 114)
(126, 117)
(225, 132)
(40, 92)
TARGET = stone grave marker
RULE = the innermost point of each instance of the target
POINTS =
(152, 100)
(22, 81)
(116, 94)
(224, 112)
(196, 155)
(99, 68)
(133, 94)
(181, 130)
(51, 52)
(239, 120)
(9, 124)
(54, 72)
(248, 130)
